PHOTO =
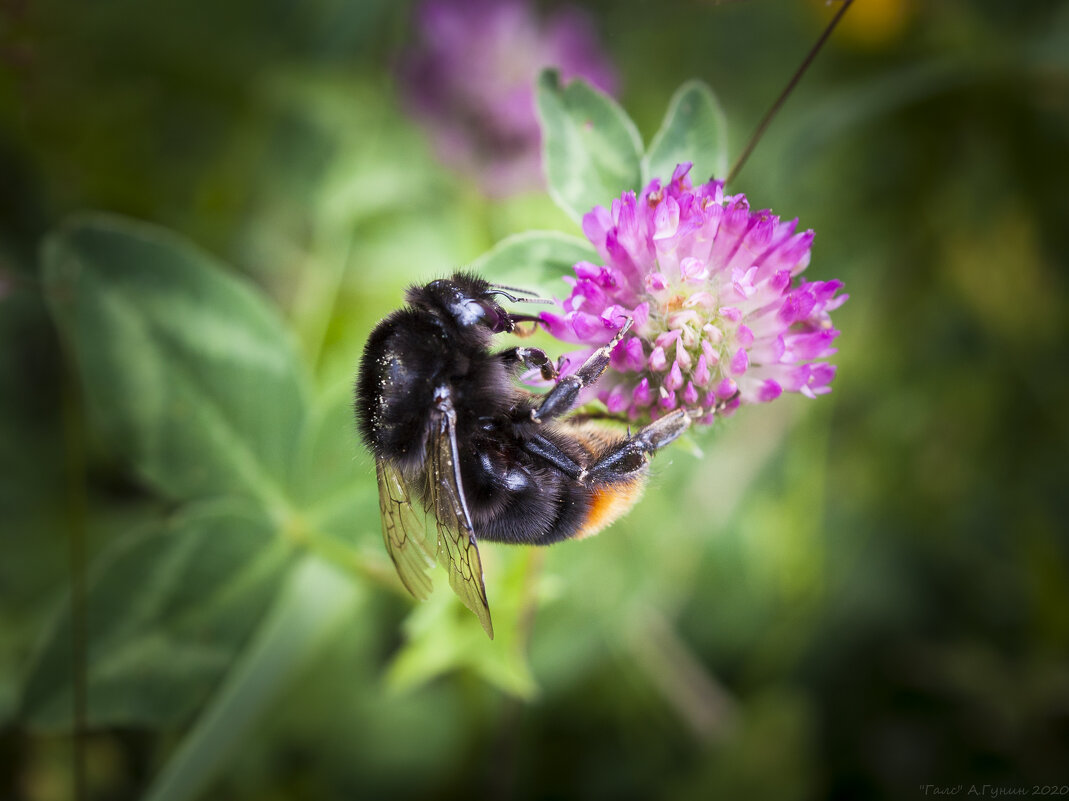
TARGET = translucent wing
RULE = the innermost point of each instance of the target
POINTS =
(404, 531)
(457, 550)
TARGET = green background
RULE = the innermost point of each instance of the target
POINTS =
(855, 597)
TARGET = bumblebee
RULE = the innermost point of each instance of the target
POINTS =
(452, 431)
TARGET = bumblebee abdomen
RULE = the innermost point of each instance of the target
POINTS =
(608, 502)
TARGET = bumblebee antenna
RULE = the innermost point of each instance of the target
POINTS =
(499, 290)
(516, 289)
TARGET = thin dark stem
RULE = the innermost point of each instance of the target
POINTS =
(755, 137)
(76, 511)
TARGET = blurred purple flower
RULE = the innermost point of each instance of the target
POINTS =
(708, 284)
(470, 81)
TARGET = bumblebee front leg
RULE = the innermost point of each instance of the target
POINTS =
(634, 453)
(562, 397)
(531, 358)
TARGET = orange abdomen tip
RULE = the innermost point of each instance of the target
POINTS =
(610, 503)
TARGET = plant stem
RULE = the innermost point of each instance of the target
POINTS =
(755, 137)
(76, 513)
(697, 696)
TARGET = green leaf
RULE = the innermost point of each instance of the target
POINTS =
(166, 613)
(694, 130)
(335, 476)
(533, 259)
(313, 602)
(188, 372)
(442, 635)
(331, 460)
(591, 149)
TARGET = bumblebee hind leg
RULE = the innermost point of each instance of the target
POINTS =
(633, 454)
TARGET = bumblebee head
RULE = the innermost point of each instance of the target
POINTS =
(464, 299)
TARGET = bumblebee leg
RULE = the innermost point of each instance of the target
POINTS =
(544, 449)
(531, 358)
(562, 397)
(634, 454)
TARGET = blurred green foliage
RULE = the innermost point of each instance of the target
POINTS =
(848, 598)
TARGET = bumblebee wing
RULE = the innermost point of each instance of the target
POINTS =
(404, 531)
(457, 549)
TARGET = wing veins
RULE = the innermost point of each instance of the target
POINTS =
(403, 531)
(458, 551)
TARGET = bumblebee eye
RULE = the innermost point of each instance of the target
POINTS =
(469, 312)
(496, 319)
(487, 313)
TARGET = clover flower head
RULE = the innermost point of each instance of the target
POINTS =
(470, 82)
(719, 316)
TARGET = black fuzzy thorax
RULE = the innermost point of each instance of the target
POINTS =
(407, 357)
